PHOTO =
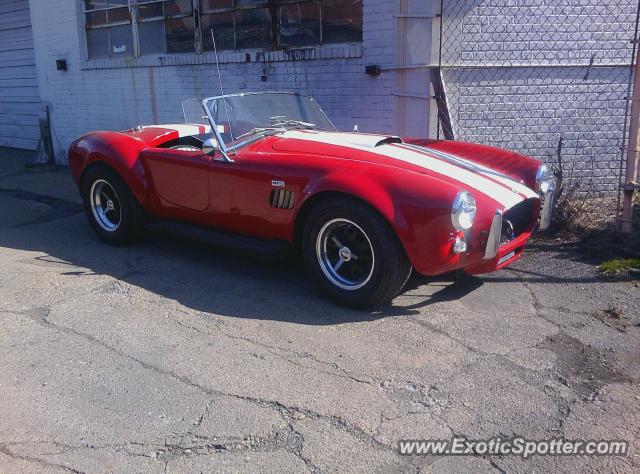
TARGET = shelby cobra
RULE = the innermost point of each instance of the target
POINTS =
(269, 171)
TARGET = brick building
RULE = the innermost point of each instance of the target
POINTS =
(115, 64)
(516, 74)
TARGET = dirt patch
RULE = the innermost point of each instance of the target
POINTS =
(582, 368)
(614, 318)
(589, 224)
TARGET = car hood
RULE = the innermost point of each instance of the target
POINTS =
(392, 151)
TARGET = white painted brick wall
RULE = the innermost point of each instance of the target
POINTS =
(524, 109)
(83, 99)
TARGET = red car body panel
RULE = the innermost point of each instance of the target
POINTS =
(234, 196)
(515, 165)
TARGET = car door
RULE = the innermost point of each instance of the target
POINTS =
(245, 195)
(179, 179)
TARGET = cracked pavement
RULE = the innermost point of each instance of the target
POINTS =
(174, 357)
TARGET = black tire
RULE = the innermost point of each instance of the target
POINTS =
(130, 215)
(390, 266)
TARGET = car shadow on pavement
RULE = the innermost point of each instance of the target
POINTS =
(200, 277)
(203, 278)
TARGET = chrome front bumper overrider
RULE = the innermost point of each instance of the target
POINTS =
(493, 241)
(546, 212)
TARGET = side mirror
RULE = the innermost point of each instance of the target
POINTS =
(210, 146)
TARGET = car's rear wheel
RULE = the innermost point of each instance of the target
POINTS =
(112, 210)
(353, 254)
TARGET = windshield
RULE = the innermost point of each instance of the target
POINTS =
(238, 117)
(193, 114)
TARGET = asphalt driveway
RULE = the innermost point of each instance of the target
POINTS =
(170, 356)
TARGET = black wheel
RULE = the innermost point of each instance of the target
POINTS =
(353, 254)
(113, 212)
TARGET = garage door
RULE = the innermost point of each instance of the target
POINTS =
(19, 97)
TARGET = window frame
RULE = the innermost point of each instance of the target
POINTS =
(197, 11)
(106, 26)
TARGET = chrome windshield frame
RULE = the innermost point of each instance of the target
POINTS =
(223, 147)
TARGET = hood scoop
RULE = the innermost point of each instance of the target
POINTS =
(388, 141)
(366, 141)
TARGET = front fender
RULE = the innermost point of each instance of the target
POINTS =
(519, 167)
(416, 206)
(362, 186)
(116, 150)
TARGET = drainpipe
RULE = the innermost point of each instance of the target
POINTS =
(44, 152)
(633, 153)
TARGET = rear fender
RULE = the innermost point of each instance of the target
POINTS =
(116, 150)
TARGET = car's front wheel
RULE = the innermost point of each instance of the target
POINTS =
(112, 210)
(353, 254)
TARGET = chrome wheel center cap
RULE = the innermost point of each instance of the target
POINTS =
(110, 204)
(345, 254)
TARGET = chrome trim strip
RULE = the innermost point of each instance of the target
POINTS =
(493, 240)
(507, 257)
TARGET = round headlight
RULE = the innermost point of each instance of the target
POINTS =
(544, 180)
(463, 212)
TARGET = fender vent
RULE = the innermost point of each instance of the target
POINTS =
(282, 199)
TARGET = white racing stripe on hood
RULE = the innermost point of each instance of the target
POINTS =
(184, 129)
(486, 171)
(364, 140)
(473, 180)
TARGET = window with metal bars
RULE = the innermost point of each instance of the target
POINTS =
(109, 31)
(166, 26)
(141, 27)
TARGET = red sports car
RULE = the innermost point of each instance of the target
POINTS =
(267, 172)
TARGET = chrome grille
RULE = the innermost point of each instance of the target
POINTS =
(509, 225)
(517, 220)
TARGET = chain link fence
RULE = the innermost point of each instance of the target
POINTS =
(547, 78)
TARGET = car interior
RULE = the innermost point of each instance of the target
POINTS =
(188, 143)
